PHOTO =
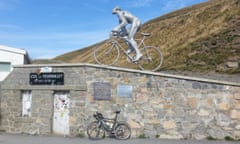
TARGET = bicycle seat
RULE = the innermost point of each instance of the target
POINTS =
(117, 112)
(146, 34)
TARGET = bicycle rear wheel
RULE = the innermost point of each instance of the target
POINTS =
(107, 53)
(95, 132)
(152, 59)
(122, 131)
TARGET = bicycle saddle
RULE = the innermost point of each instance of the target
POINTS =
(146, 34)
(117, 112)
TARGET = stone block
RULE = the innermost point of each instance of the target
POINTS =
(238, 127)
(216, 133)
(154, 121)
(155, 100)
(237, 134)
(196, 85)
(237, 96)
(223, 120)
(174, 135)
(167, 106)
(143, 80)
(203, 112)
(232, 64)
(193, 102)
(134, 125)
(198, 136)
(171, 124)
(224, 106)
(150, 133)
(237, 104)
(210, 102)
(235, 114)
(141, 98)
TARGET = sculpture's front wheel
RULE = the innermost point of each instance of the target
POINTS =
(152, 59)
(107, 53)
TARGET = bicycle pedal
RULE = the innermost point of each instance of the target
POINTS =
(135, 62)
(129, 59)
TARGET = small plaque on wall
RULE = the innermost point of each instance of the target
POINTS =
(124, 91)
(101, 90)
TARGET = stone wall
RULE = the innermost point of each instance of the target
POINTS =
(0, 103)
(162, 106)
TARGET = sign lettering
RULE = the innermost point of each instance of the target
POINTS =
(53, 78)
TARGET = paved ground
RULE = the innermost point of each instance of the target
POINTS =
(26, 139)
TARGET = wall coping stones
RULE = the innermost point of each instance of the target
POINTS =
(230, 83)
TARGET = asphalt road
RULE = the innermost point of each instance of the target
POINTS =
(27, 139)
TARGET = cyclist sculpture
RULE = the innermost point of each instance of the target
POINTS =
(126, 18)
(108, 53)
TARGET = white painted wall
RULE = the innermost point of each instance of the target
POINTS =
(13, 56)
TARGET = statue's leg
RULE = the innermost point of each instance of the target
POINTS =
(132, 32)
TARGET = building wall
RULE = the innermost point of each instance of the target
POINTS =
(162, 106)
(12, 56)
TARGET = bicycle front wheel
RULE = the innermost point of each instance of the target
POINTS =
(122, 131)
(107, 53)
(95, 132)
(152, 59)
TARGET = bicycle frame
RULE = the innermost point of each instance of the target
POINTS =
(141, 44)
(105, 122)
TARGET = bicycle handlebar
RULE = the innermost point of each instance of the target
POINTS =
(120, 34)
(99, 116)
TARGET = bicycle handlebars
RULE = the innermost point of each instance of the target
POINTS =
(99, 116)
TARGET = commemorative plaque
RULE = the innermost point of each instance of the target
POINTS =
(101, 90)
(124, 91)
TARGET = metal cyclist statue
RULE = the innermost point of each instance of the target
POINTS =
(108, 53)
(126, 18)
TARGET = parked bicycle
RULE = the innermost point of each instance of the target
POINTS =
(109, 52)
(97, 129)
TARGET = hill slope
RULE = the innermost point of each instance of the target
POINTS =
(201, 38)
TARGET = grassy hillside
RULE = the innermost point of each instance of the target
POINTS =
(202, 38)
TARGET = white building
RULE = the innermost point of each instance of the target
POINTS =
(11, 56)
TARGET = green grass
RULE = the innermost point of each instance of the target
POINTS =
(142, 136)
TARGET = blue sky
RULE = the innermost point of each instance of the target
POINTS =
(48, 28)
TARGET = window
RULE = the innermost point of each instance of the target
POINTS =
(5, 66)
(26, 103)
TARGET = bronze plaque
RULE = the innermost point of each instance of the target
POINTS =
(101, 90)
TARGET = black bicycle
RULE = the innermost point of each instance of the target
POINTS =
(96, 130)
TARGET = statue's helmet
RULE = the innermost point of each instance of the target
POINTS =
(115, 9)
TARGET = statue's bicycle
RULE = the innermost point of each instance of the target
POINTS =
(109, 53)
